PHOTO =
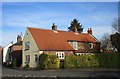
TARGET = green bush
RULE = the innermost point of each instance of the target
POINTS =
(26, 66)
(43, 58)
(14, 63)
(54, 62)
(101, 58)
(81, 61)
(109, 60)
(70, 61)
(49, 62)
(91, 61)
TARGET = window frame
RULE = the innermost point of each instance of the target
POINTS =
(27, 58)
(90, 45)
(75, 45)
(60, 55)
(27, 45)
(35, 57)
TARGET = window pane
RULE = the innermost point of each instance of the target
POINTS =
(90, 45)
(27, 58)
(36, 58)
(75, 45)
(27, 45)
(60, 55)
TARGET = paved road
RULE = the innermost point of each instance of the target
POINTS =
(59, 73)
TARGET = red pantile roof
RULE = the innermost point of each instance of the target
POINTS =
(49, 40)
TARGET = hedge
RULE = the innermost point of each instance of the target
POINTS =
(85, 61)
(70, 61)
(109, 60)
(82, 61)
(48, 61)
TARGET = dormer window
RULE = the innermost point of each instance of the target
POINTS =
(75, 46)
(90, 45)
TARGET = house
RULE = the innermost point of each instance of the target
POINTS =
(1, 53)
(1, 50)
(6, 52)
(61, 43)
(16, 51)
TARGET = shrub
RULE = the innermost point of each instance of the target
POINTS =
(110, 60)
(54, 62)
(85, 61)
(26, 66)
(43, 58)
(101, 59)
(14, 63)
(91, 61)
(70, 61)
(49, 62)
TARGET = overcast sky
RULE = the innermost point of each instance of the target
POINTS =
(17, 16)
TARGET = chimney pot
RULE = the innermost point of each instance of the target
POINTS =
(89, 31)
(19, 38)
(54, 27)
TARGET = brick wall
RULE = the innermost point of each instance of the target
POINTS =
(84, 47)
(54, 52)
(96, 47)
(17, 47)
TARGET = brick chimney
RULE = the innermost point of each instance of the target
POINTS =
(54, 27)
(89, 31)
(19, 38)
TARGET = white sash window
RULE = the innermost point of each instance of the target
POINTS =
(75, 46)
(60, 55)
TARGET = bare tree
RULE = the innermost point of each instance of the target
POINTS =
(115, 38)
(116, 25)
(105, 42)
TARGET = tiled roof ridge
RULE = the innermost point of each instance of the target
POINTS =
(95, 38)
(38, 28)
(51, 30)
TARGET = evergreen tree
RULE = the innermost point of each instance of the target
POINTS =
(75, 26)
(115, 38)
